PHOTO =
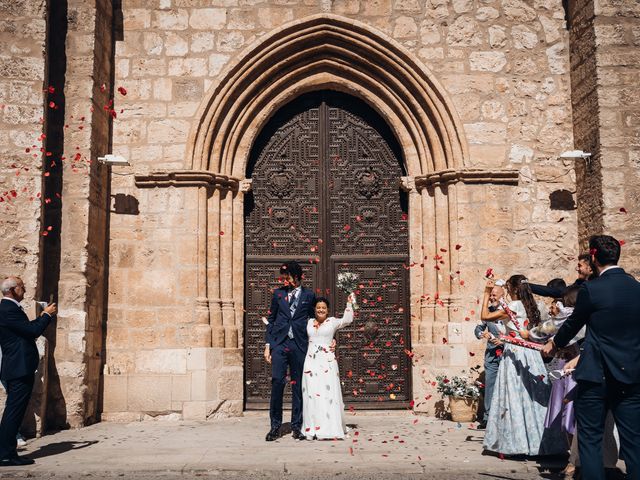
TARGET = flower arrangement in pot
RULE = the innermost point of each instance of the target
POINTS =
(463, 393)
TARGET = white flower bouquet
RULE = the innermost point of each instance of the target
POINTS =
(348, 283)
(457, 387)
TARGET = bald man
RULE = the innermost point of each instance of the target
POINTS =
(20, 360)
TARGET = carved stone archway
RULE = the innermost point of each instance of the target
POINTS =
(322, 52)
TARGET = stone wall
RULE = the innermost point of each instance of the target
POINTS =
(504, 65)
(604, 55)
(22, 76)
(22, 147)
(76, 355)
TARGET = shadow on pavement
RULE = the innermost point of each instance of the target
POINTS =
(58, 448)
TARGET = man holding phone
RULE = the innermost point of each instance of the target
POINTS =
(20, 360)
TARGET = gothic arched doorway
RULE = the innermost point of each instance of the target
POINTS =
(326, 173)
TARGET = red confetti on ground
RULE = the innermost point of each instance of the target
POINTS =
(458, 246)
(471, 354)
(221, 233)
(444, 340)
(623, 210)
(622, 242)
(122, 91)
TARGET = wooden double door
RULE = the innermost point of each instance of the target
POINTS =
(326, 192)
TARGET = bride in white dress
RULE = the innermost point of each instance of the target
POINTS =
(322, 406)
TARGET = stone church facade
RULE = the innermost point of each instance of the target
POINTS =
(162, 269)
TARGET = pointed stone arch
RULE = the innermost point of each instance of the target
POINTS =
(327, 52)
(321, 52)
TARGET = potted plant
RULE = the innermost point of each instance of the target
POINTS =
(463, 396)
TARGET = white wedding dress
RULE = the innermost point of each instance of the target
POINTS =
(322, 406)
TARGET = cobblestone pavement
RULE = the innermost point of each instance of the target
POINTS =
(380, 446)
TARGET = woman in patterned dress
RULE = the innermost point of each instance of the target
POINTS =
(522, 389)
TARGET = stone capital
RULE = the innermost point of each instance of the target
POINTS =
(408, 184)
(186, 178)
(467, 175)
(246, 184)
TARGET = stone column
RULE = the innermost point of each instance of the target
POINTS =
(76, 362)
(226, 270)
(213, 269)
(430, 278)
(416, 256)
(238, 263)
(442, 241)
(454, 278)
(22, 224)
(203, 329)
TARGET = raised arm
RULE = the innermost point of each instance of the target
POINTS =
(485, 314)
(544, 291)
(15, 322)
(347, 317)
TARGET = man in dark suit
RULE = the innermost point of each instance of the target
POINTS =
(608, 373)
(286, 346)
(20, 360)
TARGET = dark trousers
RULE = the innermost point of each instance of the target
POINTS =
(285, 356)
(591, 405)
(18, 395)
(491, 364)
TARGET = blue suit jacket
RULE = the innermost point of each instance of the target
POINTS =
(17, 338)
(610, 307)
(280, 318)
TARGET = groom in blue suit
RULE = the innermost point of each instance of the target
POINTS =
(608, 372)
(286, 346)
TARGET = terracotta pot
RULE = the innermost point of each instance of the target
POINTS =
(463, 409)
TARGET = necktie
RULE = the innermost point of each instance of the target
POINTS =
(293, 303)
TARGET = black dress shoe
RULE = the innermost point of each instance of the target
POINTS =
(273, 434)
(16, 461)
(297, 435)
(481, 426)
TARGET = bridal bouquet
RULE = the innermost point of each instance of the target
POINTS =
(348, 283)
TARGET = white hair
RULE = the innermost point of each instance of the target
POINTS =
(9, 283)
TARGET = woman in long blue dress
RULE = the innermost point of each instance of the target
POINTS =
(521, 393)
